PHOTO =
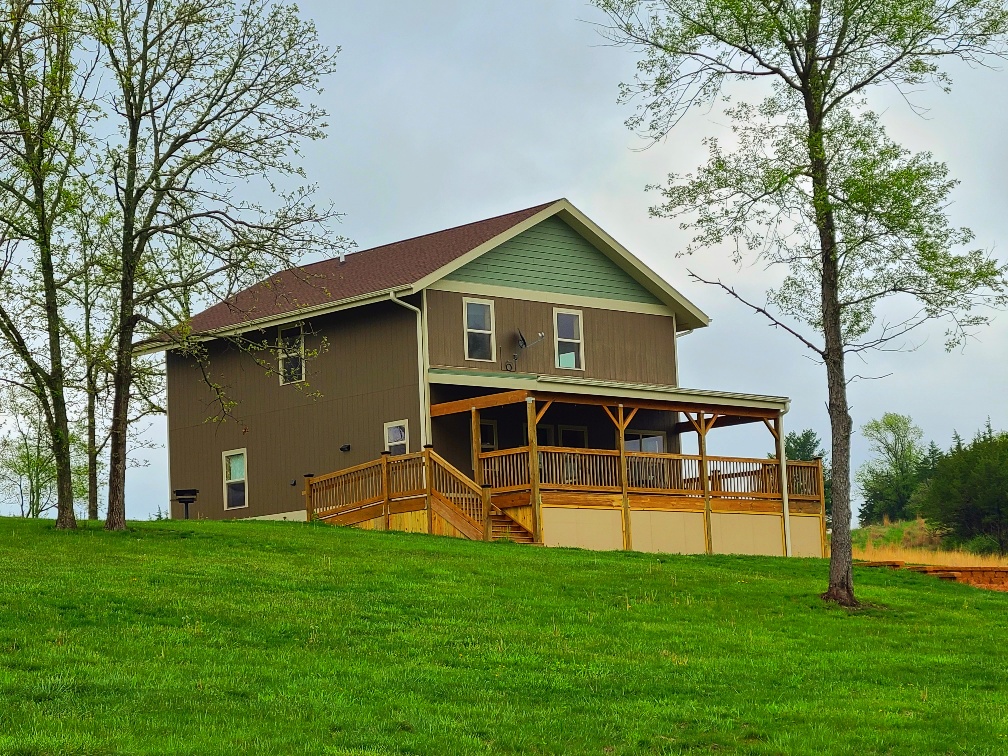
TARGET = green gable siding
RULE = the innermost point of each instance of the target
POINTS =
(552, 257)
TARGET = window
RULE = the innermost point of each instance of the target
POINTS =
(479, 329)
(235, 493)
(544, 434)
(569, 342)
(645, 441)
(488, 435)
(397, 437)
(573, 437)
(291, 354)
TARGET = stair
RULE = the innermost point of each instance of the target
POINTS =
(504, 528)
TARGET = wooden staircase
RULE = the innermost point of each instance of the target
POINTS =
(505, 528)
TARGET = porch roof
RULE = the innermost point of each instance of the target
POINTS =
(729, 408)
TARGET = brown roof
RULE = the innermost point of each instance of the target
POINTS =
(390, 266)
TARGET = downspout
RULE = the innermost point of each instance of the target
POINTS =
(421, 373)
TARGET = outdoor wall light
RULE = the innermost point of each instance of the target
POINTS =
(345, 448)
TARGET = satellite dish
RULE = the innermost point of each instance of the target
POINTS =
(522, 343)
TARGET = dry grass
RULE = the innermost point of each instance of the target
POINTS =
(890, 552)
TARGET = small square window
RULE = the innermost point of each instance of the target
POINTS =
(234, 479)
(291, 353)
(397, 437)
(479, 329)
(488, 435)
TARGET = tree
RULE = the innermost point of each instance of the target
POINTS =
(815, 185)
(44, 107)
(888, 480)
(807, 446)
(207, 97)
(967, 497)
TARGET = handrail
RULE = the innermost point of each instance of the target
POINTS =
(456, 488)
(506, 469)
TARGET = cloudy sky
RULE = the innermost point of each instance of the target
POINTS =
(446, 112)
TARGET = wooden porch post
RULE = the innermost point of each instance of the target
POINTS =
(621, 433)
(782, 462)
(533, 465)
(477, 447)
(385, 486)
(701, 426)
(487, 530)
(428, 486)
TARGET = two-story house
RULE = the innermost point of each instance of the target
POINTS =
(514, 377)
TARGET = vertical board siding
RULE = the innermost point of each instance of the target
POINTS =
(366, 376)
(618, 346)
(552, 256)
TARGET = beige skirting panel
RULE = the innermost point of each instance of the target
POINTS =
(667, 532)
(747, 534)
(598, 529)
(806, 536)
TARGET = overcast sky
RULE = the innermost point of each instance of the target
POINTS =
(447, 112)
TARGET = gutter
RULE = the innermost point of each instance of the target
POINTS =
(424, 413)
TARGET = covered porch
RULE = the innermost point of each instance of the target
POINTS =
(607, 472)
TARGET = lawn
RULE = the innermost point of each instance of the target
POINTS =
(283, 638)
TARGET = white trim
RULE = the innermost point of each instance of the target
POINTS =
(392, 424)
(224, 476)
(423, 385)
(549, 297)
(282, 353)
(557, 311)
(425, 417)
(493, 424)
(466, 301)
(579, 428)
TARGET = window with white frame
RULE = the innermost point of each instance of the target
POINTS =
(235, 490)
(645, 441)
(291, 342)
(569, 340)
(397, 437)
(479, 329)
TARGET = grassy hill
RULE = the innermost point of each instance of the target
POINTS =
(280, 638)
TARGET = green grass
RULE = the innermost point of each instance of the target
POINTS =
(280, 638)
(904, 533)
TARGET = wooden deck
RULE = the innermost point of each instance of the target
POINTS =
(422, 492)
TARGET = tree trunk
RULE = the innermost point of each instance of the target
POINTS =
(115, 519)
(92, 444)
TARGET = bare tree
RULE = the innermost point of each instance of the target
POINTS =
(815, 184)
(207, 98)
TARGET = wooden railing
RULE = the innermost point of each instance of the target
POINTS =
(456, 488)
(579, 469)
(346, 490)
(673, 473)
(507, 469)
(735, 477)
(804, 479)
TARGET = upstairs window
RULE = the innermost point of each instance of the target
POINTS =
(397, 437)
(235, 494)
(291, 354)
(569, 341)
(479, 329)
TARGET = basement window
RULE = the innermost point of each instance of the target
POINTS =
(479, 329)
(235, 492)
(291, 354)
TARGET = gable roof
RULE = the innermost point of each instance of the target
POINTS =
(411, 265)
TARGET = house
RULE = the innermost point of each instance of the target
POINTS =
(515, 377)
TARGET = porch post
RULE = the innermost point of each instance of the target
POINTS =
(385, 487)
(533, 466)
(476, 447)
(621, 433)
(487, 529)
(701, 426)
(782, 462)
(822, 507)
(428, 486)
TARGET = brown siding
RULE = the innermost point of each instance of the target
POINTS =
(618, 346)
(366, 375)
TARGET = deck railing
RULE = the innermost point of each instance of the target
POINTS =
(675, 474)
